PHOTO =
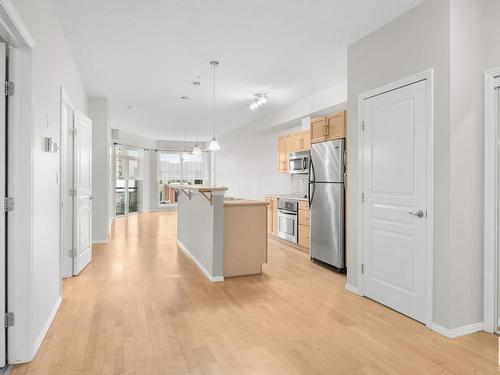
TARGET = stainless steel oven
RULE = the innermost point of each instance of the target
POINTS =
(298, 162)
(288, 220)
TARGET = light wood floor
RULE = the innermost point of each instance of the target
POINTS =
(142, 307)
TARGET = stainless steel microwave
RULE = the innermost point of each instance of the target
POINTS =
(298, 162)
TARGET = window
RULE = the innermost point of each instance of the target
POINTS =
(128, 172)
(177, 167)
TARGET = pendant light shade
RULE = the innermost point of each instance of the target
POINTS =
(214, 145)
(196, 150)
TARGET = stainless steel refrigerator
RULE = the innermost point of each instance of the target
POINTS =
(326, 201)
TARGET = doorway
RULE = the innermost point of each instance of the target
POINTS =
(396, 208)
(128, 184)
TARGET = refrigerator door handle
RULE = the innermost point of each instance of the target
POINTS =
(310, 195)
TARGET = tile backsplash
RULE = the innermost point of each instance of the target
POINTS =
(299, 184)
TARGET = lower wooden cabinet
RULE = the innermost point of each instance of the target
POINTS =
(304, 235)
(304, 224)
(272, 215)
(304, 218)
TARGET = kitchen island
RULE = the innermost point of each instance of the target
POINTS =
(224, 236)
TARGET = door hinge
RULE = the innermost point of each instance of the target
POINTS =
(8, 319)
(72, 192)
(8, 204)
(362, 268)
(362, 197)
(363, 125)
(72, 253)
(10, 88)
(72, 131)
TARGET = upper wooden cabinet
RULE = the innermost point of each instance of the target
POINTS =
(292, 143)
(326, 128)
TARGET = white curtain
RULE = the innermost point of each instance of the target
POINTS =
(178, 167)
(169, 167)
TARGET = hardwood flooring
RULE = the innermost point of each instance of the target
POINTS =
(142, 307)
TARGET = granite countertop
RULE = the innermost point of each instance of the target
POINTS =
(288, 196)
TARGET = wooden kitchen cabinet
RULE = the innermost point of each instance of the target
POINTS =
(272, 215)
(304, 236)
(282, 154)
(304, 218)
(304, 224)
(318, 129)
(327, 128)
(291, 143)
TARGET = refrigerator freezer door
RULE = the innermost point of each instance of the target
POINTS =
(328, 161)
(327, 224)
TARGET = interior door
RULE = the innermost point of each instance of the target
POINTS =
(3, 193)
(83, 192)
(395, 225)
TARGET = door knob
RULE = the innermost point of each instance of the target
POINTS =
(419, 213)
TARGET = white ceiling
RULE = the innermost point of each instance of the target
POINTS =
(146, 54)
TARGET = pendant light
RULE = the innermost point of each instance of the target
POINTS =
(214, 145)
(184, 151)
(197, 149)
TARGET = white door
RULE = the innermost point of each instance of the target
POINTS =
(3, 193)
(83, 192)
(394, 180)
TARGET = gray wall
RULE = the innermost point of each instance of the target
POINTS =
(415, 42)
(458, 39)
(101, 168)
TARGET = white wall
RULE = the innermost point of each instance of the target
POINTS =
(101, 168)
(248, 166)
(53, 67)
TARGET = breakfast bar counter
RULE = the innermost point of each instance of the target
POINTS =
(224, 236)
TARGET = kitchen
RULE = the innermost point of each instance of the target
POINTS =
(309, 218)
(312, 216)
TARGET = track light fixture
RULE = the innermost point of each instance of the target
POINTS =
(258, 100)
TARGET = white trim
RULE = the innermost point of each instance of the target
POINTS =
(490, 200)
(21, 223)
(457, 332)
(185, 250)
(97, 242)
(353, 289)
(427, 76)
(46, 327)
(12, 28)
(65, 183)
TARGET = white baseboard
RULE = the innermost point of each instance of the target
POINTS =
(457, 332)
(185, 250)
(41, 336)
(353, 289)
